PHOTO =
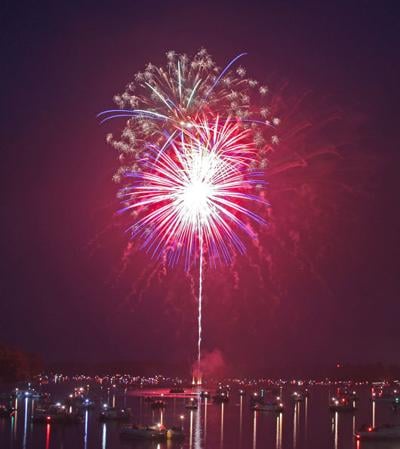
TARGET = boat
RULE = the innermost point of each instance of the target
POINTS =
(176, 390)
(297, 397)
(86, 404)
(55, 413)
(275, 406)
(205, 395)
(114, 414)
(29, 393)
(138, 432)
(80, 402)
(157, 404)
(346, 392)
(157, 432)
(221, 397)
(380, 433)
(175, 433)
(5, 411)
(255, 398)
(42, 417)
(191, 404)
(341, 404)
(383, 395)
(352, 395)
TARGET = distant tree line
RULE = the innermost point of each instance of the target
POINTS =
(16, 365)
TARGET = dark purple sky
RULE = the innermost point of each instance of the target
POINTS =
(61, 65)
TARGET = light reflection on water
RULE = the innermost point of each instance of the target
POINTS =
(197, 429)
(222, 425)
(240, 420)
(26, 407)
(305, 420)
(295, 423)
(255, 413)
(302, 425)
(85, 435)
(191, 430)
(336, 429)
(104, 436)
(279, 425)
(373, 413)
(48, 430)
(205, 420)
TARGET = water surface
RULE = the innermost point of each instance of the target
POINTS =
(306, 425)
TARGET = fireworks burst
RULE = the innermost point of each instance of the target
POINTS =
(193, 158)
(196, 188)
(161, 100)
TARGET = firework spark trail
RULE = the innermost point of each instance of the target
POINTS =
(199, 315)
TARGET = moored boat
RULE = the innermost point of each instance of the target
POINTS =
(221, 397)
(176, 390)
(341, 404)
(56, 413)
(268, 407)
(157, 404)
(380, 433)
(255, 398)
(114, 414)
(191, 404)
(157, 432)
(6, 411)
(297, 396)
(138, 432)
(175, 433)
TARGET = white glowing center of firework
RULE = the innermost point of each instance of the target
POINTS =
(198, 192)
(196, 196)
(194, 191)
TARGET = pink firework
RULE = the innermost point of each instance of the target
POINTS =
(193, 157)
(200, 187)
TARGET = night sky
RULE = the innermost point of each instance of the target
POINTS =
(332, 293)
